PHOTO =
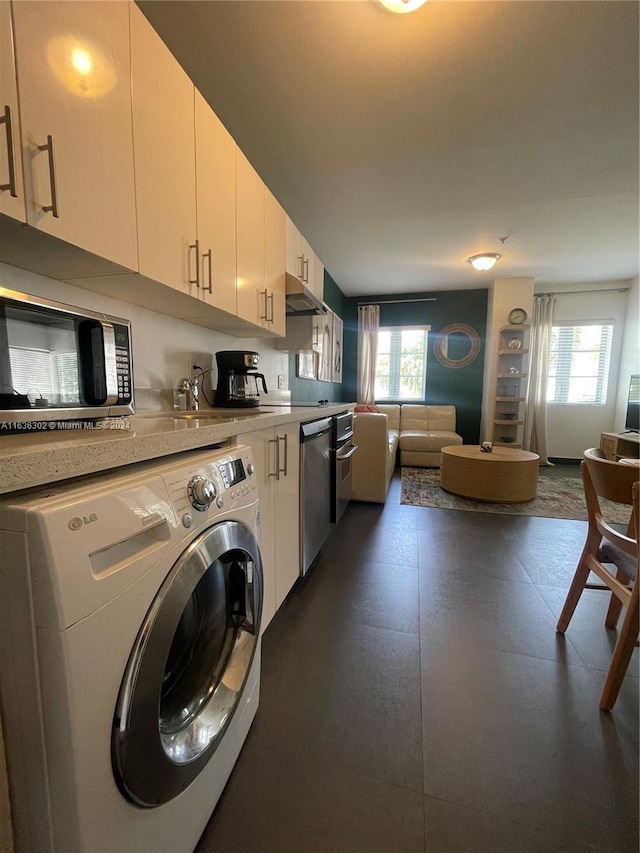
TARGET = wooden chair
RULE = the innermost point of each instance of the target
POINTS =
(606, 546)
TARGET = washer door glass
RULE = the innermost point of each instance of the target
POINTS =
(189, 665)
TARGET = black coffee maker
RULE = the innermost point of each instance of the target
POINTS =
(238, 379)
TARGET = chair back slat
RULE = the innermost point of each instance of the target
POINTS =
(611, 480)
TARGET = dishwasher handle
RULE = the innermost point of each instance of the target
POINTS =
(314, 429)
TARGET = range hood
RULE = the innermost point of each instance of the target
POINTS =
(300, 300)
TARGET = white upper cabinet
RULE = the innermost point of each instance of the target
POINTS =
(318, 278)
(164, 148)
(295, 257)
(216, 207)
(302, 262)
(308, 265)
(106, 145)
(11, 185)
(75, 102)
(274, 264)
(252, 298)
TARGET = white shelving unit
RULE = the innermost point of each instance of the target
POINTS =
(511, 386)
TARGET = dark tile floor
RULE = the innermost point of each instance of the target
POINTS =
(416, 699)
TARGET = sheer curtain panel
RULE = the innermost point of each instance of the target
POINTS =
(368, 325)
(535, 424)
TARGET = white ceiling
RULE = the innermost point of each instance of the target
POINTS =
(402, 144)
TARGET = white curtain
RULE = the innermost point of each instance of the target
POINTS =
(368, 325)
(535, 422)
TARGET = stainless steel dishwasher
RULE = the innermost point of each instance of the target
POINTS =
(315, 488)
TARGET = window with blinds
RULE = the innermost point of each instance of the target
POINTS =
(42, 374)
(579, 364)
(401, 363)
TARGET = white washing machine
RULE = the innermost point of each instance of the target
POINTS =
(129, 651)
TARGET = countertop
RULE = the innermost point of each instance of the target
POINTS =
(37, 458)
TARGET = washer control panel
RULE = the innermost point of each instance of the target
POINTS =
(215, 482)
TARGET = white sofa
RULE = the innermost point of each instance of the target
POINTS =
(377, 435)
(419, 431)
(424, 431)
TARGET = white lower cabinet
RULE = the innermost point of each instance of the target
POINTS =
(287, 515)
(276, 454)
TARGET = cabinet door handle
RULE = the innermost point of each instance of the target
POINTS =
(195, 280)
(209, 287)
(270, 313)
(305, 267)
(277, 444)
(301, 267)
(285, 439)
(264, 316)
(316, 335)
(53, 207)
(6, 120)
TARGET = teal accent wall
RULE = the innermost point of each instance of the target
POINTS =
(461, 387)
(309, 390)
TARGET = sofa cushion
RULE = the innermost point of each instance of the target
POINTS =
(362, 407)
(427, 441)
(431, 418)
(392, 411)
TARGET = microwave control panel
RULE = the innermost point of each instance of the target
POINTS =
(123, 364)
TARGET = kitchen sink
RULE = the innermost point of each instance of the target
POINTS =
(208, 414)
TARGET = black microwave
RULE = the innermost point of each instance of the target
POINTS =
(59, 363)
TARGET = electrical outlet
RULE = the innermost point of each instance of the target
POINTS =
(280, 382)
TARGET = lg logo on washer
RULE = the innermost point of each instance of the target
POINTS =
(77, 521)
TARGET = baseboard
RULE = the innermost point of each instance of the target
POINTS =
(559, 460)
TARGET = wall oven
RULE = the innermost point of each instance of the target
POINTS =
(59, 363)
(342, 450)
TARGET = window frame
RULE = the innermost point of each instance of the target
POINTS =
(604, 364)
(422, 327)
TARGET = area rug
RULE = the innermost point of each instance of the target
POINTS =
(558, 497)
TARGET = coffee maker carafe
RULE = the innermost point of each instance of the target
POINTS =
(238, 379)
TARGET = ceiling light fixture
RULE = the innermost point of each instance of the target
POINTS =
(402, 6)
(483, 262)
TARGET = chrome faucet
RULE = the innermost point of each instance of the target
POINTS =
(189, 387)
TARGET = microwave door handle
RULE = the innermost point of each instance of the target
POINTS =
(110, 364)
(97, 357)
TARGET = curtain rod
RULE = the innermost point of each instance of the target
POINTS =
(398, 301)
(597, 290)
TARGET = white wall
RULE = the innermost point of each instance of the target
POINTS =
(163, 347)
(573, 428)
(630, 356)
